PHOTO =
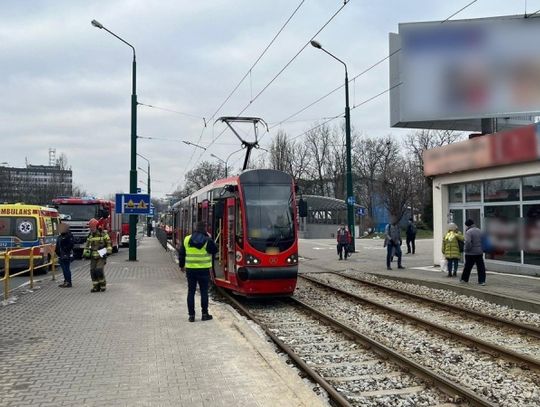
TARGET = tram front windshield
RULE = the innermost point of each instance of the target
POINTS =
(269, 214)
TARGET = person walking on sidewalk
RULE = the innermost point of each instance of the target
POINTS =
(64, 251)
(98, 247)
(451, 248)
(195, 258)
(411, 236)
(392, 241)
(473, 253)
(343, 241)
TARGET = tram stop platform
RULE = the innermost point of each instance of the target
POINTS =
(512, 290)
(133, 345)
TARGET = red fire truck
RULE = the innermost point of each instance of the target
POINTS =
(77, 211)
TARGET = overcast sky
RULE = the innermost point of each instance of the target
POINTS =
(67, 85)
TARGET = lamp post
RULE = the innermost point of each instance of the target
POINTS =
(226, 162)
(148, 189)
(350, 193)
(133, 167)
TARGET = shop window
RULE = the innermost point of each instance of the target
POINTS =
(457, 218)
(502, 224)
(455, 193)
(473, 192)
(531, 234)
(531, 188)
(501, 190)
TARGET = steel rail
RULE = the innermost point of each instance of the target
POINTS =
(446, 385)
(529, 329)
(452, 333)
(332, 392)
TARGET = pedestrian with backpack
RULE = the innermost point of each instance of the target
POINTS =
(474, 254)
(452, 248)
(411, 237)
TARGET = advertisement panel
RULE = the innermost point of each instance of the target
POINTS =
(465, 70)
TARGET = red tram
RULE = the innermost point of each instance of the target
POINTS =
(252, 218)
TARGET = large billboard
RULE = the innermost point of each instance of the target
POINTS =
(462, 71)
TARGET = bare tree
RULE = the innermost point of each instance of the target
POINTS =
(202, 175)
(415, 144)
(288, 156)
(318, 143)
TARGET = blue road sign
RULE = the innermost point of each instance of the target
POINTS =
(351, 200)
(361, 211)
(134, 204)
(152, 212)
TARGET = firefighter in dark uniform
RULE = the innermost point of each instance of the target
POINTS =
(98, 239)
(195, 258)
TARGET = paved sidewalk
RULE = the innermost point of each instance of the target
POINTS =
(133, 345)
(521, 292)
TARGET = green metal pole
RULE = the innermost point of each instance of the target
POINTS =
(133, 170)
(148, 218)
(350, 193)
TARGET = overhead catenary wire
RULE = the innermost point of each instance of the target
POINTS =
(366, 71)
(248, 73)
(173, 111)
(341, 86)
(287, 65)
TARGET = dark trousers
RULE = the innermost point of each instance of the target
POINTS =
(343, 247)
(97, 272)
(452, 266)
(65, 264)
(202, 277)
(470, 261)
(392, 250)
(411, 244)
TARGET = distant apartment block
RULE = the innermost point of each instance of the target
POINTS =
(35, 184)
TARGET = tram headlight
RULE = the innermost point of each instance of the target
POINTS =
(292, 259)
(252, 260)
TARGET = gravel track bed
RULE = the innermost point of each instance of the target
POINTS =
(352, 369)
(450, 297)
(500, 381)
(474, 326)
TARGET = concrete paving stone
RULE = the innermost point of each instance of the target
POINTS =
(134, 346)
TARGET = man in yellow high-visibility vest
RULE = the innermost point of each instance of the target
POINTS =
(195, 258)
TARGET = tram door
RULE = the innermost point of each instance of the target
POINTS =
(218, 228)
(229, 242)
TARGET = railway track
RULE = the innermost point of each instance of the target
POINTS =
(354, 369)
(504, 376)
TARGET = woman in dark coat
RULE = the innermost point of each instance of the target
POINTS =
(64, 250)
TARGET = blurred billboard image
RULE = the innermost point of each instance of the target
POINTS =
(465, 70)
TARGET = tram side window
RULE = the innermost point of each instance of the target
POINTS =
(25, 229)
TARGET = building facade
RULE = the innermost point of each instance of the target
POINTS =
(494, 180)
(35, 184)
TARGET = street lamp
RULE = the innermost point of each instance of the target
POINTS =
(148, 219)
(133, 168)
(226, 162)
(350, 193)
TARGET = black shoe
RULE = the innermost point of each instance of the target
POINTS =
(103, 289)
(191, 318)
(65, 284)
(94, 290)
(389, 268)
(340, 258)
(400, 267)
(206, 317)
